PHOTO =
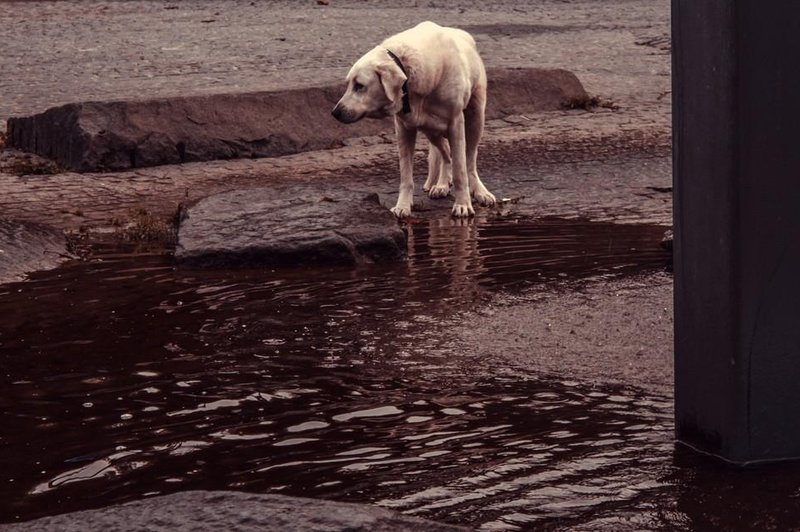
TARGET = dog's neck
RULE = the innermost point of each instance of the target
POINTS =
(406, 103)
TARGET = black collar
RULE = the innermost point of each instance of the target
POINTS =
(406, 103)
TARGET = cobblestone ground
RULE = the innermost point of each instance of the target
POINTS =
(62, 51)
(546, 148)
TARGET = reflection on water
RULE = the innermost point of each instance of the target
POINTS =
(125, 378)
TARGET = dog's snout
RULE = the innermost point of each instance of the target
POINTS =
(343, 114)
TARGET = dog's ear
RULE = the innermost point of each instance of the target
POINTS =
(392, 80)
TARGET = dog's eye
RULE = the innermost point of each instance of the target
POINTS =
(358, 87)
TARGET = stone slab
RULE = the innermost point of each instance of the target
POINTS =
(118, 135)
(27, 247)
(287, 226)
(202, 511)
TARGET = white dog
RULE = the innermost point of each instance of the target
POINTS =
(431, 79)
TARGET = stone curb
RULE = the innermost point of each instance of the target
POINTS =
(202, 511)
(102, 136)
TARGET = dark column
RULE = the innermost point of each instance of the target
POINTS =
(736, 68)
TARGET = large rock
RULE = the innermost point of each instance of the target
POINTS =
(284, 226)
(514, 91)
(214, 511)
(27, 247)
(97, 136)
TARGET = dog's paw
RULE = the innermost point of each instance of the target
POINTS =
(439, 191)
(463, 210)
(485, 198)
(401, 211)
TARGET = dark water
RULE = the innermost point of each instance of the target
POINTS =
(124, 378)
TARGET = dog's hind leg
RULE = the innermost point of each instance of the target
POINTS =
(446, 174)
(434, 167)
(442, 167)
(474, 116)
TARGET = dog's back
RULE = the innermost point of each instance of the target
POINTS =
(443, 51)
(428, 35)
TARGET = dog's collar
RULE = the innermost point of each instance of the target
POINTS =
(406, 103)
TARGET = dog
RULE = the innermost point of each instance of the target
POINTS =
(431, 79)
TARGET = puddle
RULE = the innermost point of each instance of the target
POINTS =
(123, 378)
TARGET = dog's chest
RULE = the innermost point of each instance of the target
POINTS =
(425, 120)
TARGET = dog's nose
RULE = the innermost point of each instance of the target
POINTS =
(337, 113)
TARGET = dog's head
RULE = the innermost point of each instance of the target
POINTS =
(374, 88)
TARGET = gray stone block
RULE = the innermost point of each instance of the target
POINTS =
(285, 226)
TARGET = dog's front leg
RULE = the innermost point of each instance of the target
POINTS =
(406, 140)
(458, 151)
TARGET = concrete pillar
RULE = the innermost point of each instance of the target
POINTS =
(736, 124)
